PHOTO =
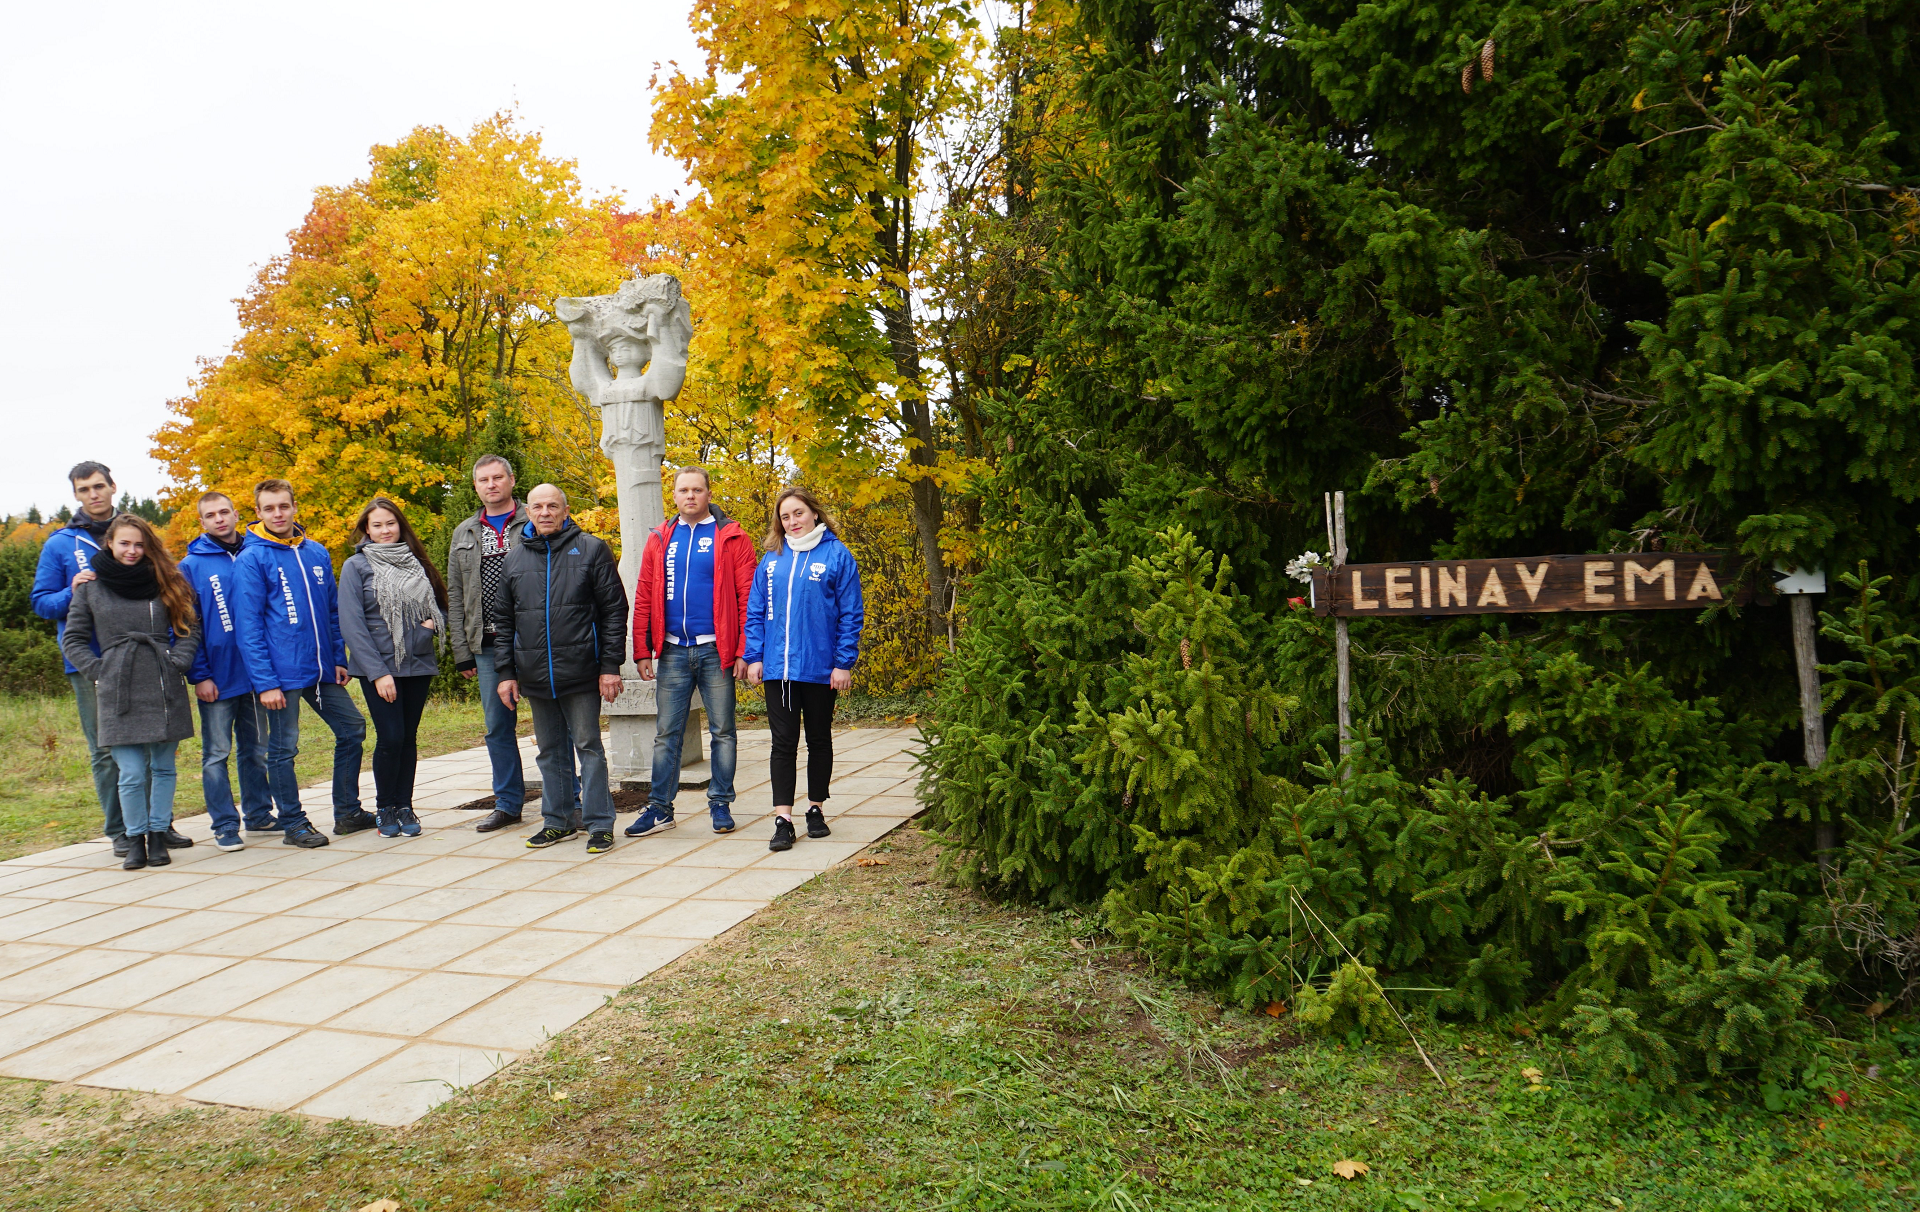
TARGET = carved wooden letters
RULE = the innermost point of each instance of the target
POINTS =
(1680, 580)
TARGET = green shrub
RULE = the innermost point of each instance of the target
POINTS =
(30, 663)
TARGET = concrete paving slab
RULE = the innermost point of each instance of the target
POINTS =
(376, 977)
(292, 1072)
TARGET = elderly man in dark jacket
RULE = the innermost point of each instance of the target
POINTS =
(559, 631)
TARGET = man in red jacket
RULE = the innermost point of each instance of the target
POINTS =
(688, 609)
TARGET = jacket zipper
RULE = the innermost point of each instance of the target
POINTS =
(549, 620)
(786, 626)
(319, 658)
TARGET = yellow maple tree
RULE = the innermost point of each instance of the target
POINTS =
(405, 305)
(808, 132)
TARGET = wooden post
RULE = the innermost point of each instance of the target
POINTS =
(1342, 647)
(1813, 729)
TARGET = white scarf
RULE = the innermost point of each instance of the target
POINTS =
(809, 540)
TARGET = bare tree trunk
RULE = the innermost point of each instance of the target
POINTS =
(916, 416)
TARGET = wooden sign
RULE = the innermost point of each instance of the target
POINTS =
(1646, 580)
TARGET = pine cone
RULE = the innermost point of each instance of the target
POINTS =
(1466, 78)
(1486, 60)
(1186, 654)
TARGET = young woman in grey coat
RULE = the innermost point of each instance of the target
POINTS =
(393, 613)
(141, 611)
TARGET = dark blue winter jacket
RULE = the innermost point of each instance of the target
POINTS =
(67, 552)
(213, 571)
(289, 612)
(805, 612)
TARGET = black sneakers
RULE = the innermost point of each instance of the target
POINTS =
(353, 822)
(782, 834)
(304, 835)
(817, 822)
(548, 836)
(599, 843)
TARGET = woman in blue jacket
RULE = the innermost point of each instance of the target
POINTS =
(802, 640)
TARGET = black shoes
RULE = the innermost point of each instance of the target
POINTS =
(157, 855)
(599, 843)
(136, 853)
(174, 839)
(817, 823)
(782, 834)
(305, 836)
(354, 822)
(120, 847)
(496, 820)
(549, 836)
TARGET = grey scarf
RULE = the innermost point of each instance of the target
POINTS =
(405, 595)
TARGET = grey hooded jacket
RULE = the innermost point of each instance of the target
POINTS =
(141, 671)
(370, 647)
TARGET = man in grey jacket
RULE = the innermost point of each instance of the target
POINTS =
(476, 558)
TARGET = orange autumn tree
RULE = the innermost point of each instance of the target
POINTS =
(809, 132)
(407, 305)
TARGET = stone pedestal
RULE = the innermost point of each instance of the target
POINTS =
(633, 721)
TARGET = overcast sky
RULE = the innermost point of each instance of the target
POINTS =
(160, 153)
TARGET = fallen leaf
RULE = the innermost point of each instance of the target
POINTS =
(1532, 1074)
(561, 1096)
(382, 1205)
(1076, 944)
(1276, 1009)
(1876, 1009)
(1840, 1099)
(874, 862)
(1349, 1169)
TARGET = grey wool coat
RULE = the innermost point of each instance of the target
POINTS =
(370, 648)
(141, 671)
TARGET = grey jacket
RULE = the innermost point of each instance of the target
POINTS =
(142, 668)
(370, 651)
(466, 607)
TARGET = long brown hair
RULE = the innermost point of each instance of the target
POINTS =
(407, 536)
(175, 593)
(776, 537)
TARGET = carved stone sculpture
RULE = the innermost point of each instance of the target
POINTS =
(642, 330)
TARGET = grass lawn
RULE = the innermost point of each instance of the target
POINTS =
(877, 1040)
(46, 785)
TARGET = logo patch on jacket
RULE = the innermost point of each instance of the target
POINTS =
(815, 570)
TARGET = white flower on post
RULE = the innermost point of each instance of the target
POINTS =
(1301, 567)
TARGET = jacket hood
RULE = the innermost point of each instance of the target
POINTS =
(206, 544)
(569, 529)
(260, 532)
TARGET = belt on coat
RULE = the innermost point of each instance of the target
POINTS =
(122, 700)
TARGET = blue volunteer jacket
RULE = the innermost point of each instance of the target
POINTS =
(68, 552)
(805, 613)
(213, 572)
(289, 612)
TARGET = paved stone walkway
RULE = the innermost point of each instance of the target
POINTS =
(372, 978)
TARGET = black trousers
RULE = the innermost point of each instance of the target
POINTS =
(396, 727)
(787, 704)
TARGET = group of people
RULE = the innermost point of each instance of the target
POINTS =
(252, 623)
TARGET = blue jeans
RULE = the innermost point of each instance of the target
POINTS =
(147, 779)
(231, 727)
(564, 727)
(106, 777)
(678, 668)
(336, 709)
(503, 747)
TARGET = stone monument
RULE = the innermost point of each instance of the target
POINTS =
(642, 331)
